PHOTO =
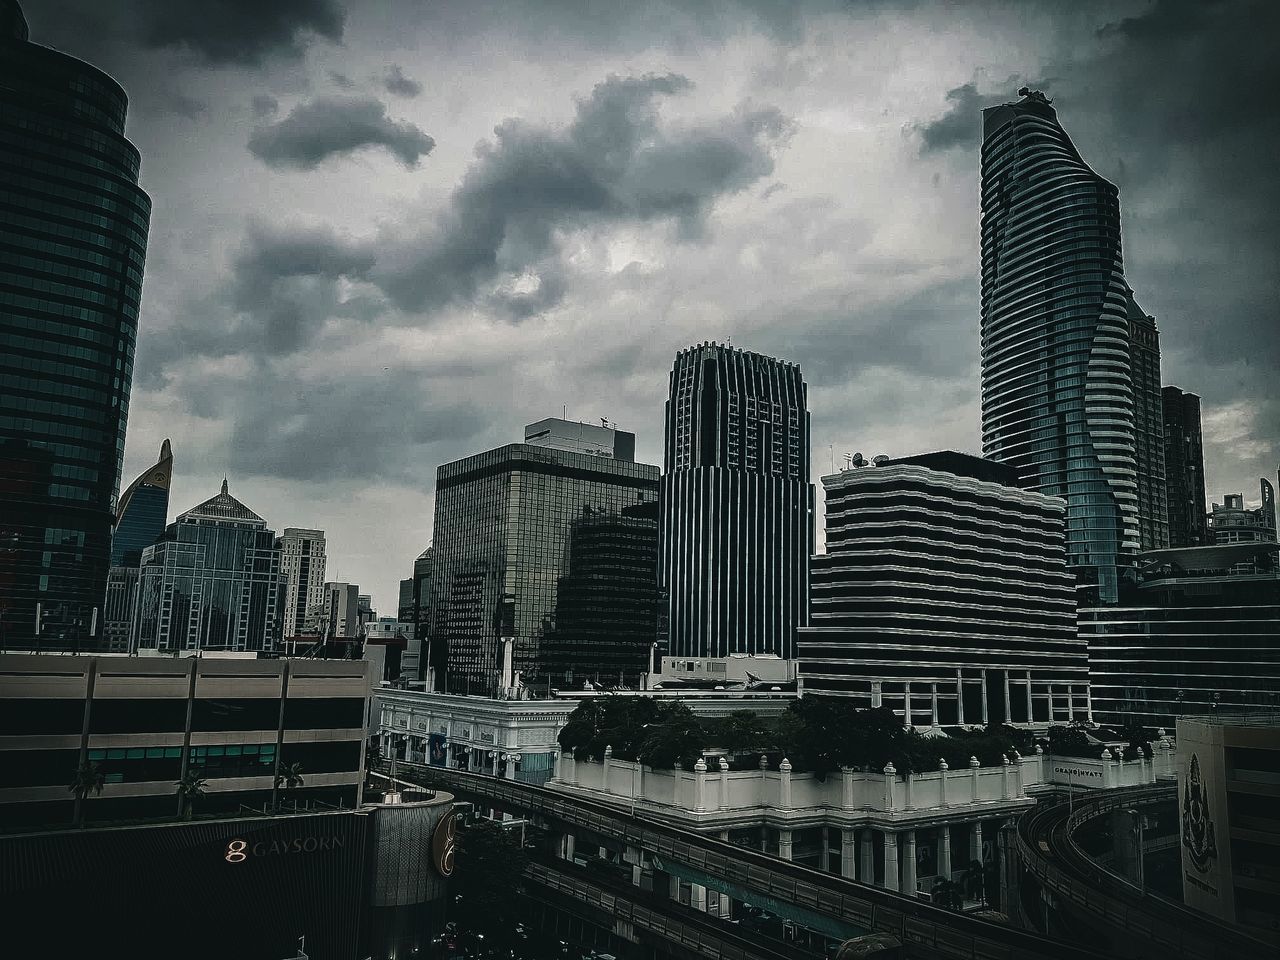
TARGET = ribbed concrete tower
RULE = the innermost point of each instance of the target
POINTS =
(1057, 377)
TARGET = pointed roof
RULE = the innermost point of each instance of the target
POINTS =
(223, 507)
(160, 475)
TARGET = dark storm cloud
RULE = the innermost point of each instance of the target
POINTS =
(309, 429)
(265, 106)
(616, 161)
(326, 127)
(396, 82)
(244, 32)
(961, 125)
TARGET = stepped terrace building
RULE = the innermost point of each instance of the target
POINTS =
(945, 594)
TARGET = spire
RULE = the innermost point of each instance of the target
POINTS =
(166, 452)
(224, 485)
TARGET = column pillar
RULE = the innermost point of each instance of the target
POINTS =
(824, 860)
(1030, 715)
(982, 682)
(906, 704)
(784, 844)
(976, 852)
(567, 846)
(933, 694)
(1088, 701)
(943, 777)
(848, 854)
(866, 859)
(890, 860)
(944, 851)
(959, 697)
(494, 763)
(510, 770)
(1008, 705)
(973, 779)
(605, 763)
(1071, 702)
(909, 864)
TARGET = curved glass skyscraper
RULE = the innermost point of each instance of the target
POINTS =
(73, 233)
(1057, 375)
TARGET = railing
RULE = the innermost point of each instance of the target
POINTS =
(925, 930)
(1166, 929)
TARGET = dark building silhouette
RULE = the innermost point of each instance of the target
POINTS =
(73, 235)
(1148, 423)
(419, 613)
(1058, 354)
(945, 595)
(1184, 468)
(606, 618)
(502, 546)
(212, 582)
(736, 524)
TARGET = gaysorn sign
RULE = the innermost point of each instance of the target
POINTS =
(238, 851)
(443, 844)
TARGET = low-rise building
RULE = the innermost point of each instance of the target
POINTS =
(144, 723)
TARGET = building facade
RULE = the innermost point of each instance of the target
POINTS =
(602, 441)
(147, 721)
(1232, 522)
(1201, 631)
(504, 533)
(1184, 469)
(1229, 815)
(338, 614)
(1148, 430)
(73, 236)
(302, 563)
(1057, 344)
(944, 594)
(143, 513)
(211, 583)
(736, 515)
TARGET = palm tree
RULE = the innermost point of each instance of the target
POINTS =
(288, 778)
(190, 789)
(89, 777)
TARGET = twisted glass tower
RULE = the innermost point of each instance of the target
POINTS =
(1057, 375)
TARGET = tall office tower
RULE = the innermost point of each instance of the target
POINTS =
(944, 594)
(1148, 430)
(211, 582)
(73, 235)
(736, 519)
(140, 521)
(420, 615)
(302, 563)
(1199, 632)
(1184, 468)
(504, 534)
(337, 616)
(143, 512)
(1057, 370)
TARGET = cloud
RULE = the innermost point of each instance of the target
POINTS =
(961, 125)
(616, 161)
(314, 131)
(396, 82)
(265, 106)
(244, 32)
(185, 106)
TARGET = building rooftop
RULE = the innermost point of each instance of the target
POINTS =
(223, 507)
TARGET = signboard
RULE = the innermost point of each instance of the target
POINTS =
(443, 844)
(1202, 832)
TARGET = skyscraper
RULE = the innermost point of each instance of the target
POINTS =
(507, 525)
(143, 512)
(736, 514)
(140, 521)
(944, 594)
(1057, 342)
(211, 582)
(302, 564)
(1184, 468)
(1148, 430)
(73, 235)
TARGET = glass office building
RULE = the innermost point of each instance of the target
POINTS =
(1199, 633)
(1057, 344)
(736, 523)
(211, 583)
(73, 234)
(1184, 469)
(144, 511)
(505, 522)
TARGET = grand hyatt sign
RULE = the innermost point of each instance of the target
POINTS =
(238, 851)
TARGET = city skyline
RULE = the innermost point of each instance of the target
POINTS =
(831, 230)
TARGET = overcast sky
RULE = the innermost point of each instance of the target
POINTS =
(388, 234)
